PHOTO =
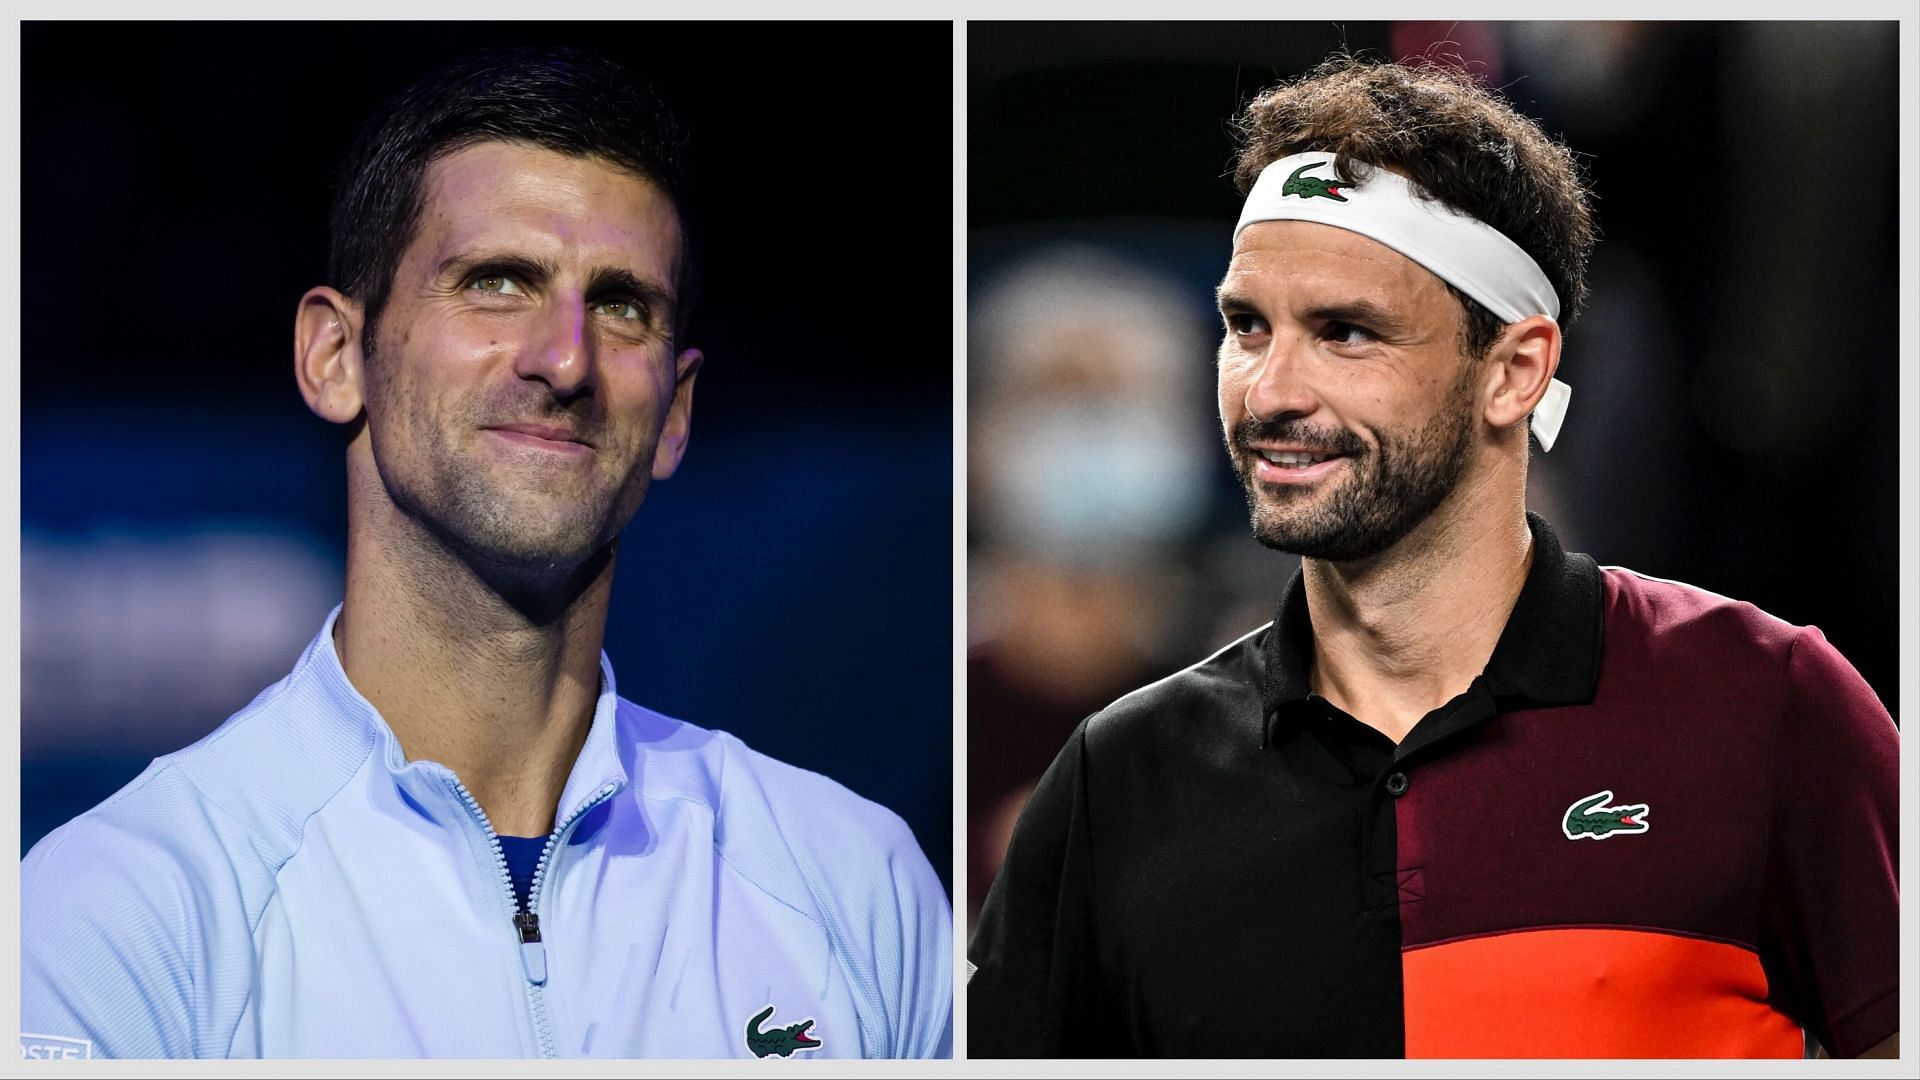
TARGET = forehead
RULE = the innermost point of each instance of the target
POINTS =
(1305, 261)
(548, 205)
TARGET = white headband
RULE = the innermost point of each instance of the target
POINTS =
(1461, 250)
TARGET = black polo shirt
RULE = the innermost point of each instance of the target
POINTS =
(1661, 823)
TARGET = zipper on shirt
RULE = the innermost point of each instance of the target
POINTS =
(533, 954)
(526, 924)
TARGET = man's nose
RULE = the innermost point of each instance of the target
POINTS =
(560, 353)
(1280, 386)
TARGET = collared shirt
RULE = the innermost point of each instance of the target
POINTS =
(1660, 823)
(293, 886)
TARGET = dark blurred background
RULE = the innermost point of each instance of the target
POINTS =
(183, 514)
(1734, 413)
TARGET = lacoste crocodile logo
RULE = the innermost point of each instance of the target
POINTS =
(782, 1040)
(1592, 817)
(1309, 186)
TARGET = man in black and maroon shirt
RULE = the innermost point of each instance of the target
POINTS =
(1469, 795)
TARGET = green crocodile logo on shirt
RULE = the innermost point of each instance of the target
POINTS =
(1309, 186)
(783, 1040)
(1591, 816)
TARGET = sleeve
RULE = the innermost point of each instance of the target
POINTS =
(1034, 988)
(926, 1026)
(1831, 940)
(103, 967)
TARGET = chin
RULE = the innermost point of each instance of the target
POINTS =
(1299, 530)
(538, 540)
(544, 550)
(535, 559)
(1326, 549)
(518, 528)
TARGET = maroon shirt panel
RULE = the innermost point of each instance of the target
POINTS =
(1715, 715)
(1833, 880)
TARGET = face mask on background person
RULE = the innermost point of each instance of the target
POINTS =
(1087, 483)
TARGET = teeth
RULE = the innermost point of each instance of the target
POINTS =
(1292, 460)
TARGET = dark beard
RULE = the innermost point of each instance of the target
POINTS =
(1391, 488)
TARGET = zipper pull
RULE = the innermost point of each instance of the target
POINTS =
(533, 955)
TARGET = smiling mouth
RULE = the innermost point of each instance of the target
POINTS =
(1291, 467)
(1288, 459)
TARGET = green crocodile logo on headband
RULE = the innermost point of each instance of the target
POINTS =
(1308, 186)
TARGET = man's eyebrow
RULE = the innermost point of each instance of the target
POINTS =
(1358, 310)
(618, 279)
(466, 264)
(1228, 300)
(1364, 312)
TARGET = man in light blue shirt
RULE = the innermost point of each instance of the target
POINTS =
(444, 833)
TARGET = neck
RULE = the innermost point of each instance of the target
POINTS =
(1399, 634)
(495, 678)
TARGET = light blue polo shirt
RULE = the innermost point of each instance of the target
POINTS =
(292, 886)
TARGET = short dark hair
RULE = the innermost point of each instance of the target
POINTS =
(1451, 136)
(554, 98)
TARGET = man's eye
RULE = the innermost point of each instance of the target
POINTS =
(496, 283)
(1347, 333)
(619, 308)
(1243, 324)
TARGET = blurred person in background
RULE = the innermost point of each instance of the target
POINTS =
(1468, 794)
(444, 833)
(1085, 476)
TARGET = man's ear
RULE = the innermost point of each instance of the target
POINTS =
(1524, 360)
(326, 354)
(673, 436)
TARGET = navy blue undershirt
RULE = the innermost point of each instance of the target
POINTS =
(523, 856)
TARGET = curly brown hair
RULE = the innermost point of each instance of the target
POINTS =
(1452, 137)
